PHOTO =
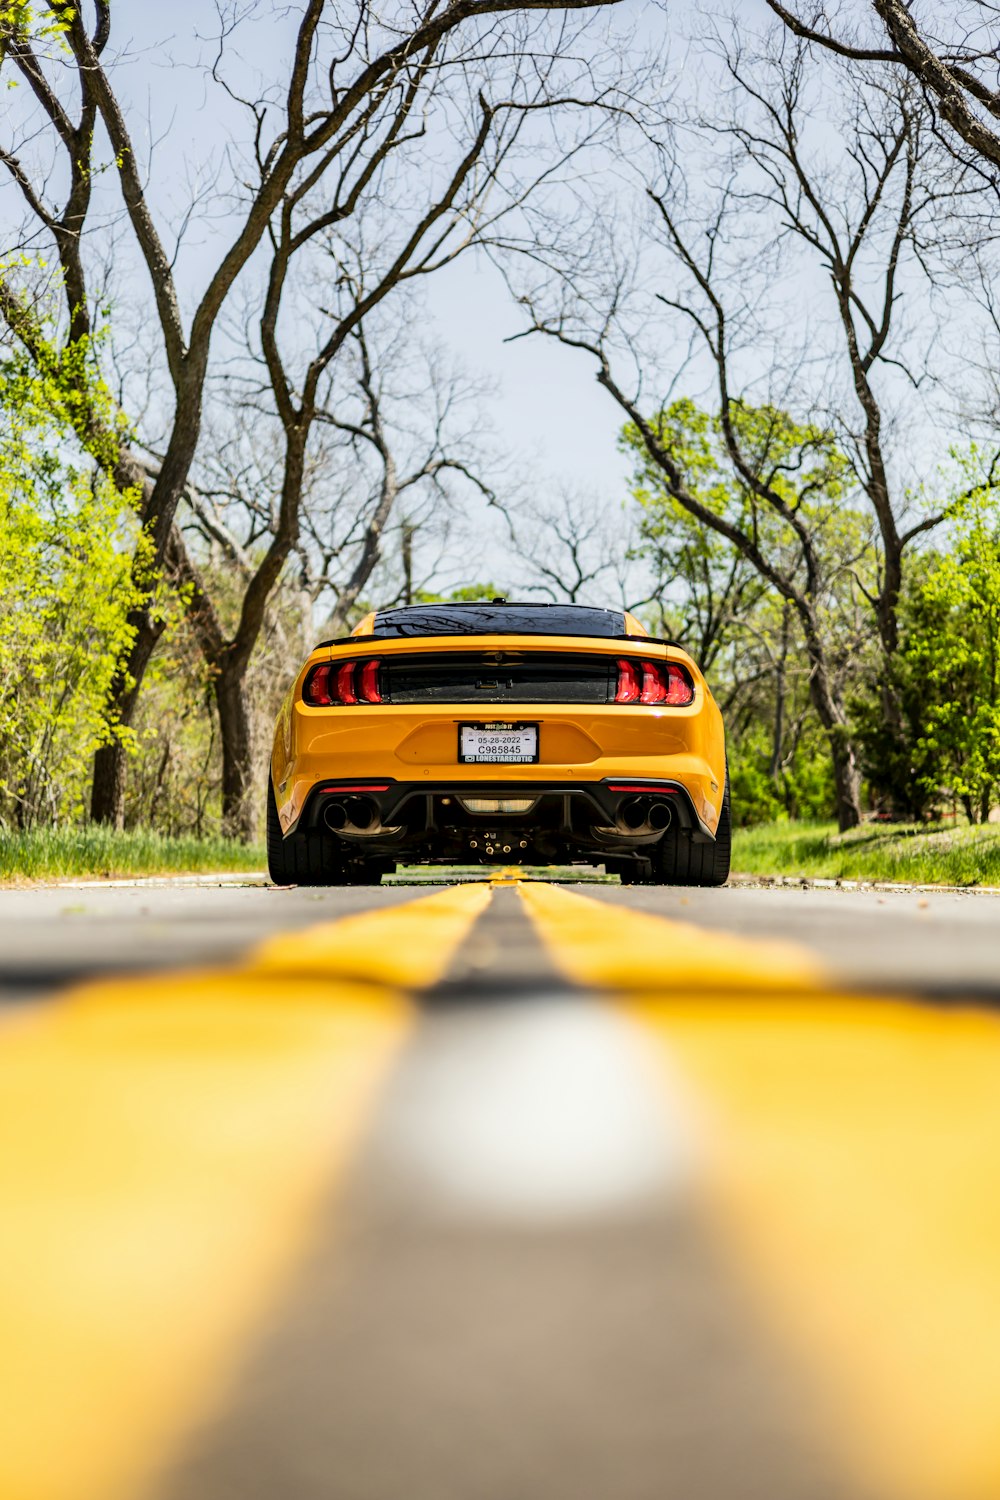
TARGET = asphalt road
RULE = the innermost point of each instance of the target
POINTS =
(498, 1192)
(914, 942)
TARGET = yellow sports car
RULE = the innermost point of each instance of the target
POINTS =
(498, 733)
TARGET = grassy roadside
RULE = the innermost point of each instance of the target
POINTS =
(878, 851)
(897, 852)
(59, 854)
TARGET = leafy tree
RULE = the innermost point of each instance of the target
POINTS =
(67, 538)
(950, 664)
(802, 786)
(705, 531)
(702, 586)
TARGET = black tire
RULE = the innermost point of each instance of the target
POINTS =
(677, 861)
(303, 858)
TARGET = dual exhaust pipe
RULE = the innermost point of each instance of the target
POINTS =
(643, 815)
(353, 814)
(361, 815)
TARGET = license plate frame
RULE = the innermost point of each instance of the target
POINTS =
(526, 755)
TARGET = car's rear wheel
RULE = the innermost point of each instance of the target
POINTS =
(678, 861)
(309, 858)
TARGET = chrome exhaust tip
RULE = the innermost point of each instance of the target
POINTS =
(632, 815)
(334, 815)
(361, 812)
(661, 815)
(643, 815)
(358, 813)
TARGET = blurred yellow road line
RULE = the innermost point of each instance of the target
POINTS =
(849, 1149)
(165, 1142)
(408, 945)
(599, 943)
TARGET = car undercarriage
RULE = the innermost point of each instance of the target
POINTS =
(363, 829)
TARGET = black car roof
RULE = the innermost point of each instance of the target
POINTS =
(496, 618)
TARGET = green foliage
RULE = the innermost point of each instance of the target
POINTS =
(66, 853)
(793, 457)
(174, 781)
(802, 787)
(946, 676)
(22, 22)
(174, 774)
(66, 542)
(799, 462)
(952, 659)
(743, 633)
(911, 854)
(755, 793)
(62, 380)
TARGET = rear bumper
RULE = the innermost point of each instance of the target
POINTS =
(414, 750)
(424, 805)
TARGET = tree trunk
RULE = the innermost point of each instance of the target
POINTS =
(846, 776)
(107, 793)
(161, 498)
(778, 727)
(239, 803)
(409, 531)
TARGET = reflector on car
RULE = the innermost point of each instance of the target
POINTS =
(498, 804)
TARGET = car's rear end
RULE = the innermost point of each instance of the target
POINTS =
(518, 733)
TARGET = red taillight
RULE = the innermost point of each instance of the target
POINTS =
(653, 682)
(680, 688)
(345, 683)
(349, 683)
(654, 689)
(368, 678)
(629, 685)
(316, 689)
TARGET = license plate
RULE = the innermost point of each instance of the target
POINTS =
(498, 744)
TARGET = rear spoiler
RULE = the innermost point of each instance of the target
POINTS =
(357, 641)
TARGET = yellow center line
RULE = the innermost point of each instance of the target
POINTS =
(409, 945)
(165, 1143)
(849, 1148)
(597, 943)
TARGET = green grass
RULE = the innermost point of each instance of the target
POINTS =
(55, 853)
(913, 854)
(898, 852)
